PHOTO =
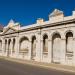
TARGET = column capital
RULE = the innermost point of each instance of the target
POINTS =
(63, 37)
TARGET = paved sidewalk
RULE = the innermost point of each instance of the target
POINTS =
(43, 65)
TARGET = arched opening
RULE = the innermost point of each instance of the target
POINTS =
(56, 48)
(33, 51)
(45, 44)
(69, 42)
(13, 50)
(9, 47)
(0, 45)
(24, 46)
(5, 46)
(69, 47)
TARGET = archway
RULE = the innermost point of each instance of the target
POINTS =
(69, 42)
(69, 47)
(5, 46)
(9, 47)
(33, 51)
(13, 50)
(0, 45)
(45, 45)
(56, 48)
(24, 46)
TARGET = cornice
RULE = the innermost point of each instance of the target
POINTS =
(42, 26)
(49, 25)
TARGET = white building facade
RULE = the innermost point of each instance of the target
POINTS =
(51, 41)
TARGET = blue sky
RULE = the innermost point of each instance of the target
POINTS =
(27, 11)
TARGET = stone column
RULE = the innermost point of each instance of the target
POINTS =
(3, 46)
(74, 51)
(11, 46)
(63, 51)
(50, 50)
(7, 48)
(17, 47)
(30, 44)
(41, 49)
(38, 54)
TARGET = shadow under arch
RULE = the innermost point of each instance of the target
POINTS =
(33, 47)
(56, 45)
(23, 46)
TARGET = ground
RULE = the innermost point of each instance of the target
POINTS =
(14, 68)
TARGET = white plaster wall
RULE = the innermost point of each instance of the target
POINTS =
(38, 33)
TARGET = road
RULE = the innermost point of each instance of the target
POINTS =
(13, 68)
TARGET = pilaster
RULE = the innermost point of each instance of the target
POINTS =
(41, 49)
(30, 44)
(38, 47)
(17, 46)
(63, 51)
(3, 46)
(73, 51)
(11, 46)
(50, 50)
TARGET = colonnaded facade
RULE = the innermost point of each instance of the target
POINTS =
(51, 41)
